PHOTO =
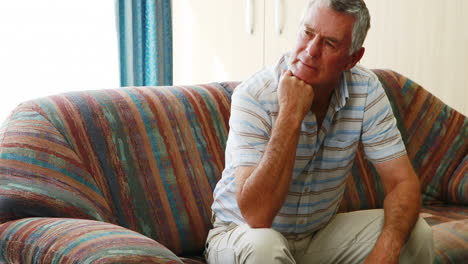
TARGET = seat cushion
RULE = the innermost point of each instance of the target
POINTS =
(61, 240)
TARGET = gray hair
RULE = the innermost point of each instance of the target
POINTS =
(355, 8)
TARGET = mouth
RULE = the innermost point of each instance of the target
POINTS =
(308, 65)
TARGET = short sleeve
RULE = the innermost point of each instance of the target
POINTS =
(380, 135)
(250, 129)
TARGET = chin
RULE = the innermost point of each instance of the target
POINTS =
(304, 75)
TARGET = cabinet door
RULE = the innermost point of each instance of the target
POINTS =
(282, 21)
(211, 42)
(425, 40)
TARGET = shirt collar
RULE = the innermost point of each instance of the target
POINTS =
(281, 66)
(341, 93)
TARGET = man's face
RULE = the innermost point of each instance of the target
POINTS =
(322, 51)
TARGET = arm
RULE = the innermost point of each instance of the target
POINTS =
(261, 190)
(401, 208)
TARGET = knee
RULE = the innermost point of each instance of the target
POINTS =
(422, 233)
(420, 245)
(265, 245)
(264, 237)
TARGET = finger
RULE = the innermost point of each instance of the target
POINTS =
(286, 73)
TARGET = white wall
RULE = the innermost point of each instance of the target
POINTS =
(426, 40)
(53, 46)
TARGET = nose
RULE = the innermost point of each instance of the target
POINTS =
(314, 47)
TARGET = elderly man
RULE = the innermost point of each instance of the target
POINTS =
(294, 130)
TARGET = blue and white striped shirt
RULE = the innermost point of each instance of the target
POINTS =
(359, 111)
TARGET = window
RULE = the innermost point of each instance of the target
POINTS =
(54, 46)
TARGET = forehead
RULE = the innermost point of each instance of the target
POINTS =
(328, 22)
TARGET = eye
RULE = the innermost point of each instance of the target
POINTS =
(330, 44)
(308, 32)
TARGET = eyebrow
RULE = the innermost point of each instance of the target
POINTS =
(332, 39)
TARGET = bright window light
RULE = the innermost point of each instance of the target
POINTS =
(55, 46)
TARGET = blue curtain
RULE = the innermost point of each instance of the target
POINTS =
(145, 42)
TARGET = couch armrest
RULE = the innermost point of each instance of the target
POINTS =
(65, 240)
(41, 175)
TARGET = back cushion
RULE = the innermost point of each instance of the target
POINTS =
(156, 154)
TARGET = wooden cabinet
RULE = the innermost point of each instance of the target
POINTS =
(212, 40)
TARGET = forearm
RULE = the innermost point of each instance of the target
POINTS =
(401, 208)
(262, 193)
(401, 211)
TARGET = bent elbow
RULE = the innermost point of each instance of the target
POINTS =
(256, 218)
(254, 215)
(258, 222)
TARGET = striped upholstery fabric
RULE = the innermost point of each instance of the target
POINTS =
(457, 185)
(41, 174)
(450, 229)
(148, 158)
(194, 260)
(62, 241)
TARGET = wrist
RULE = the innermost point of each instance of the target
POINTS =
(390, 242)
(290, 119)
(396, 236)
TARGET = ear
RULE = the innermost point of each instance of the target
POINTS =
(355, 58)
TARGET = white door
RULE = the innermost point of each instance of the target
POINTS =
(282, 20)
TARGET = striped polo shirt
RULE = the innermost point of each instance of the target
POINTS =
(359, 110)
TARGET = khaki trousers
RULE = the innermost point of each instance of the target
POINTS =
(348, 238)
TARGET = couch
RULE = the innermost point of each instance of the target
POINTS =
(126, 175)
